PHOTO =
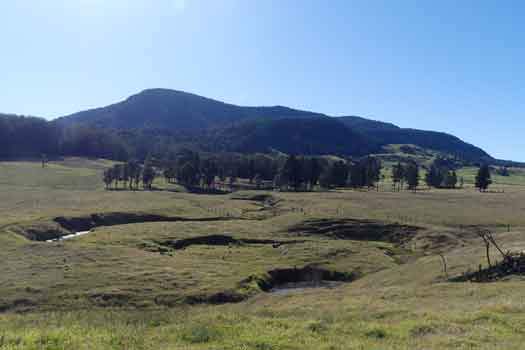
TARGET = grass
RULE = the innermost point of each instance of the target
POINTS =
(120, 287)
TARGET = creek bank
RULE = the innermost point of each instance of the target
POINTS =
(66, 226)
(357, 229)
(221, 240)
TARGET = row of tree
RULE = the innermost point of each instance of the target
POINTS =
(285, 173)
(129, 176)
(437, 176)
(296, 173)
(440, 175)
(405, 173)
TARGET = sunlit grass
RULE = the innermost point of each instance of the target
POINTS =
(107, 291)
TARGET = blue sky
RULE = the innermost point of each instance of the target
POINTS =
(454, 66)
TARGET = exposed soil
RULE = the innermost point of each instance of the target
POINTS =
(86, 223)
(64, 226)
(306, 276)
(20, 305)
(220, 240)
(299, 287)
(354, 229)
(38, 231)
(274, 281)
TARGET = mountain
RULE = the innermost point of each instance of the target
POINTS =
(175, 110)
(222, 126)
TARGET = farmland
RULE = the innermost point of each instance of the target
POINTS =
(210, 273)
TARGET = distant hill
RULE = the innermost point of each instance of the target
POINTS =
(387, 134)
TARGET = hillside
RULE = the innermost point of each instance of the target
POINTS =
(366, 125)
(293, 136)
(387, 134)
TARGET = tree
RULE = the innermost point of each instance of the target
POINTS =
(365, 173)
(434, 176)
(451, 179)
(209, 171)
(291, 173)
(134, 173)
(107, 177)
(315, 172)
(441, 174)
(397, 175)
(170, 172)
(117, 174)
(232, 180)
(137, 174)
(148, 175)
(125, 174)
(251, 170)
(503, 171)
(483, 178)
(325, 180)
(258, 181)
(188, 175)
(356, 176)
(339, 174)
(372, 168)
(412, 176)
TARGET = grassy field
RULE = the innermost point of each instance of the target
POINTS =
(131, 286)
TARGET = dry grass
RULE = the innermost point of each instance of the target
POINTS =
(112, 289)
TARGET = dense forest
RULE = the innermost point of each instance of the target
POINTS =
(30, 137)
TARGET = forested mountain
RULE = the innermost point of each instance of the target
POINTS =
(158, 121)
(26, 137)
(175, 110)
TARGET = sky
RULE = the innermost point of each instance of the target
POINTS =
(452, 66)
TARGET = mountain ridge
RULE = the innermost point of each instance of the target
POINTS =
(165, 107)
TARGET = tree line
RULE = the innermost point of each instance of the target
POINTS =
(405, 173)
(129, 175)
(197, 172)
(30, 137)
(209, 172)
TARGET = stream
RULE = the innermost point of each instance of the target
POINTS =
(64, 238)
